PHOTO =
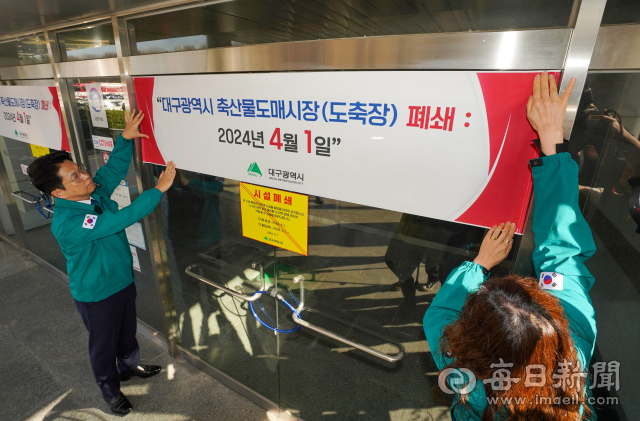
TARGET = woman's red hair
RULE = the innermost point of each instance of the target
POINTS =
(514, 319)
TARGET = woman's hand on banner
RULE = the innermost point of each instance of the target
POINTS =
(496, 245)
(546, 110)
(166, 177)
(133, 121)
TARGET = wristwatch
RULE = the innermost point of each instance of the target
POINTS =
(560, 147)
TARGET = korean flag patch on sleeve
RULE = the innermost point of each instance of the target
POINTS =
(551, 280)
(89, 221)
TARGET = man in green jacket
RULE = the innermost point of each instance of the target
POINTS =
(91, 232)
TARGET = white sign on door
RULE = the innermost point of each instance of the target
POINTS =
(103, 143)
(96, 105)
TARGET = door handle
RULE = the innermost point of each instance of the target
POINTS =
(296, 318)
(367, 349)
(33, 202)
(17, 194)
(253, 297)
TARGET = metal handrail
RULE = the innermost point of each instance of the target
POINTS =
(389, 358)
(17, 194)
(33, 202)
(253, 297)
(300, 279)
(367, 349)
(298, 320)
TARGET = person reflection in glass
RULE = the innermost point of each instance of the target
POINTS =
(599, 140)
(440, 245)
(190, 213)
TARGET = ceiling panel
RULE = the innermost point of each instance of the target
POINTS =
(22, 15)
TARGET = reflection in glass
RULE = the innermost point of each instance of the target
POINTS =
(86, 44)
(202, 231)
(39, 238)
(604, 143)
(359, 282)
(245, 22)
(621, 11)
(370, 276)
(31, 50)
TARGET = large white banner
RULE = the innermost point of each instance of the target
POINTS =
(447, 145)
(32, 114)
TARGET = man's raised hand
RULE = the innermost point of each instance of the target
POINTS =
(166, 177)
(133, 121)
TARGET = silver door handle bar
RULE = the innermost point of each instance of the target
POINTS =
(367, 349)
(390, 358)
(17, 194)
(253, 297)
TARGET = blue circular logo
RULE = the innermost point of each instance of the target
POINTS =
(94, 99)
(547, 280)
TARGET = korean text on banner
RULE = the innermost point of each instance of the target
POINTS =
(453, 146)
(31, 114)
(96, 105)
(275, 217)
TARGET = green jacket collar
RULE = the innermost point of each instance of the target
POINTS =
(71, 204)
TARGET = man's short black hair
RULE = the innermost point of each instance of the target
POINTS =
(43, 172)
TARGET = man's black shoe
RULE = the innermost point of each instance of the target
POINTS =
(119, 405)
(142, 370)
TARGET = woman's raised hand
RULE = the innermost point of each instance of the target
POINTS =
(496, 245)
(546, 110)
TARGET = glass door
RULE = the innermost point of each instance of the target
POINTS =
(604, 143)
(35, 217)
(369, 278)
(216, 276)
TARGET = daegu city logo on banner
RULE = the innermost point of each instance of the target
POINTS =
(254, 170)
(89, 221)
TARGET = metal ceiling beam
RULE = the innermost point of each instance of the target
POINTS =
(166, 4)
(509, 50)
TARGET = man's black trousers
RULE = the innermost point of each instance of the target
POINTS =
(112, 336)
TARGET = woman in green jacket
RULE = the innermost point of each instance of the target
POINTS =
(518, 348)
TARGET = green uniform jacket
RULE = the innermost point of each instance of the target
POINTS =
(563, 243)
(99, 261)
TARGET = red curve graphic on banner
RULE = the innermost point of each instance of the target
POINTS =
(505, 98)
(64, 141)
(143, 87)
